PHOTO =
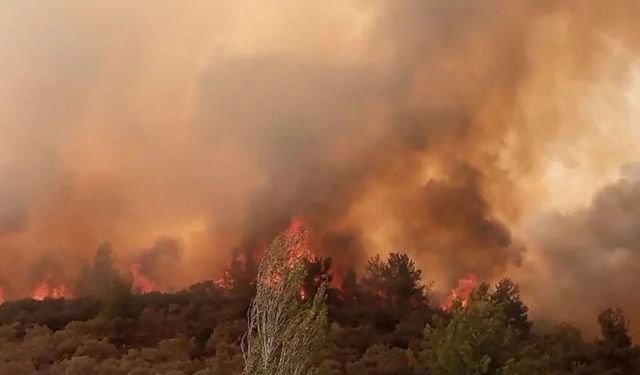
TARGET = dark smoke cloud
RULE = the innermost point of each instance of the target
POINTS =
(324, 134)
(318, 158)
(421, 126)
(593, 255)
(308, 138)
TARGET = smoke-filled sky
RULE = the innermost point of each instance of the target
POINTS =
(480, 136)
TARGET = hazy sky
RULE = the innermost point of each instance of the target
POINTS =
(473, 135)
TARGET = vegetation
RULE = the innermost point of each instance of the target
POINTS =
(285, 329)
(382, 323)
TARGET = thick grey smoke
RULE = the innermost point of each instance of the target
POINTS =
(592, 256)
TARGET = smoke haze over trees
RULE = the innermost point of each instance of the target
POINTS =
(387, 331)
(480, 137)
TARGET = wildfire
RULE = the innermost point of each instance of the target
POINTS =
(45, 289)
(461, 292)
(221, 282)
(295, 225)
(142, 282)
(336, 278)
(301, 250)
(240, 260)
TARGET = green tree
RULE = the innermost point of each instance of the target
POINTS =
(568, 353)
(478, 339)
(397, 280)
(395, 286)
(98, 277)
(615, 349)
(507, 294)
(284, 332)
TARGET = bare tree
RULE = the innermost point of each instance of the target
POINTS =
(284, 329)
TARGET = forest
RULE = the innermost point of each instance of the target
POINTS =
(382, 322)
(493, 143)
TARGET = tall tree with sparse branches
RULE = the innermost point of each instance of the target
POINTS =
(284, 330)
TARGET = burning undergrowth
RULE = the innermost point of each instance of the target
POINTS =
(145, 275)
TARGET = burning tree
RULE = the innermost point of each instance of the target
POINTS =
(284, 330)
(483, 336)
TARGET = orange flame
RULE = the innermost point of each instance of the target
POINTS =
(274, 279)
(301, 251)
(142, 282)
(337, 278)
(466, 285)
(45, 289)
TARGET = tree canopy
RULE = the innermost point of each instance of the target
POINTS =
(382, 322)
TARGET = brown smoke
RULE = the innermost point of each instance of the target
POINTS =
(431, 127)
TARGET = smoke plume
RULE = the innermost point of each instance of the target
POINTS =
(591, 255)
(183, 133)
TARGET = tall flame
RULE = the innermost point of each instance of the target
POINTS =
(466, 285)
(141, 282)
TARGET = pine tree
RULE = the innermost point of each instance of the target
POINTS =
(479, 339)
(615, 350)
(396, 280)
(507, 293)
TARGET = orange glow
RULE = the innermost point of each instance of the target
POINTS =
(337, 275)
(301, 250)
(221, 282)
(303, 293)
(141, 282)
(295, 225)
(466, 285)
(298, 252)
(45, 289)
